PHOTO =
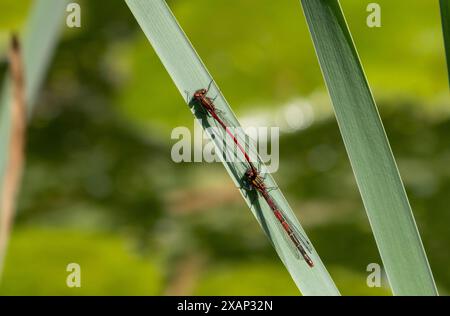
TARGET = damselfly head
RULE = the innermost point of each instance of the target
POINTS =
(251, 174)
(200, 93)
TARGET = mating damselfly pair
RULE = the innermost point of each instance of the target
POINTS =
(252, 178)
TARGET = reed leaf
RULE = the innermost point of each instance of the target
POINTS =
(368, 148)
(40, 36)
(189, 74)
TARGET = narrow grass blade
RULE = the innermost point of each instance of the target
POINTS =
(445, 15)
(369, 151)
(189, 74)
(41, 33)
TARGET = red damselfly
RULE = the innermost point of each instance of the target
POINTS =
(207, 104)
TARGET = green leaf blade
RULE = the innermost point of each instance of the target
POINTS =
(41, 33)
(368, 148)
(189, 74)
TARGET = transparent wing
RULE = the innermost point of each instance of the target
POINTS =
(248, 144)
(245, 146)
(303, 240)
(288, 241)
(300, 237)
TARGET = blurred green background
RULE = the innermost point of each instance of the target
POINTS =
(101, 190)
